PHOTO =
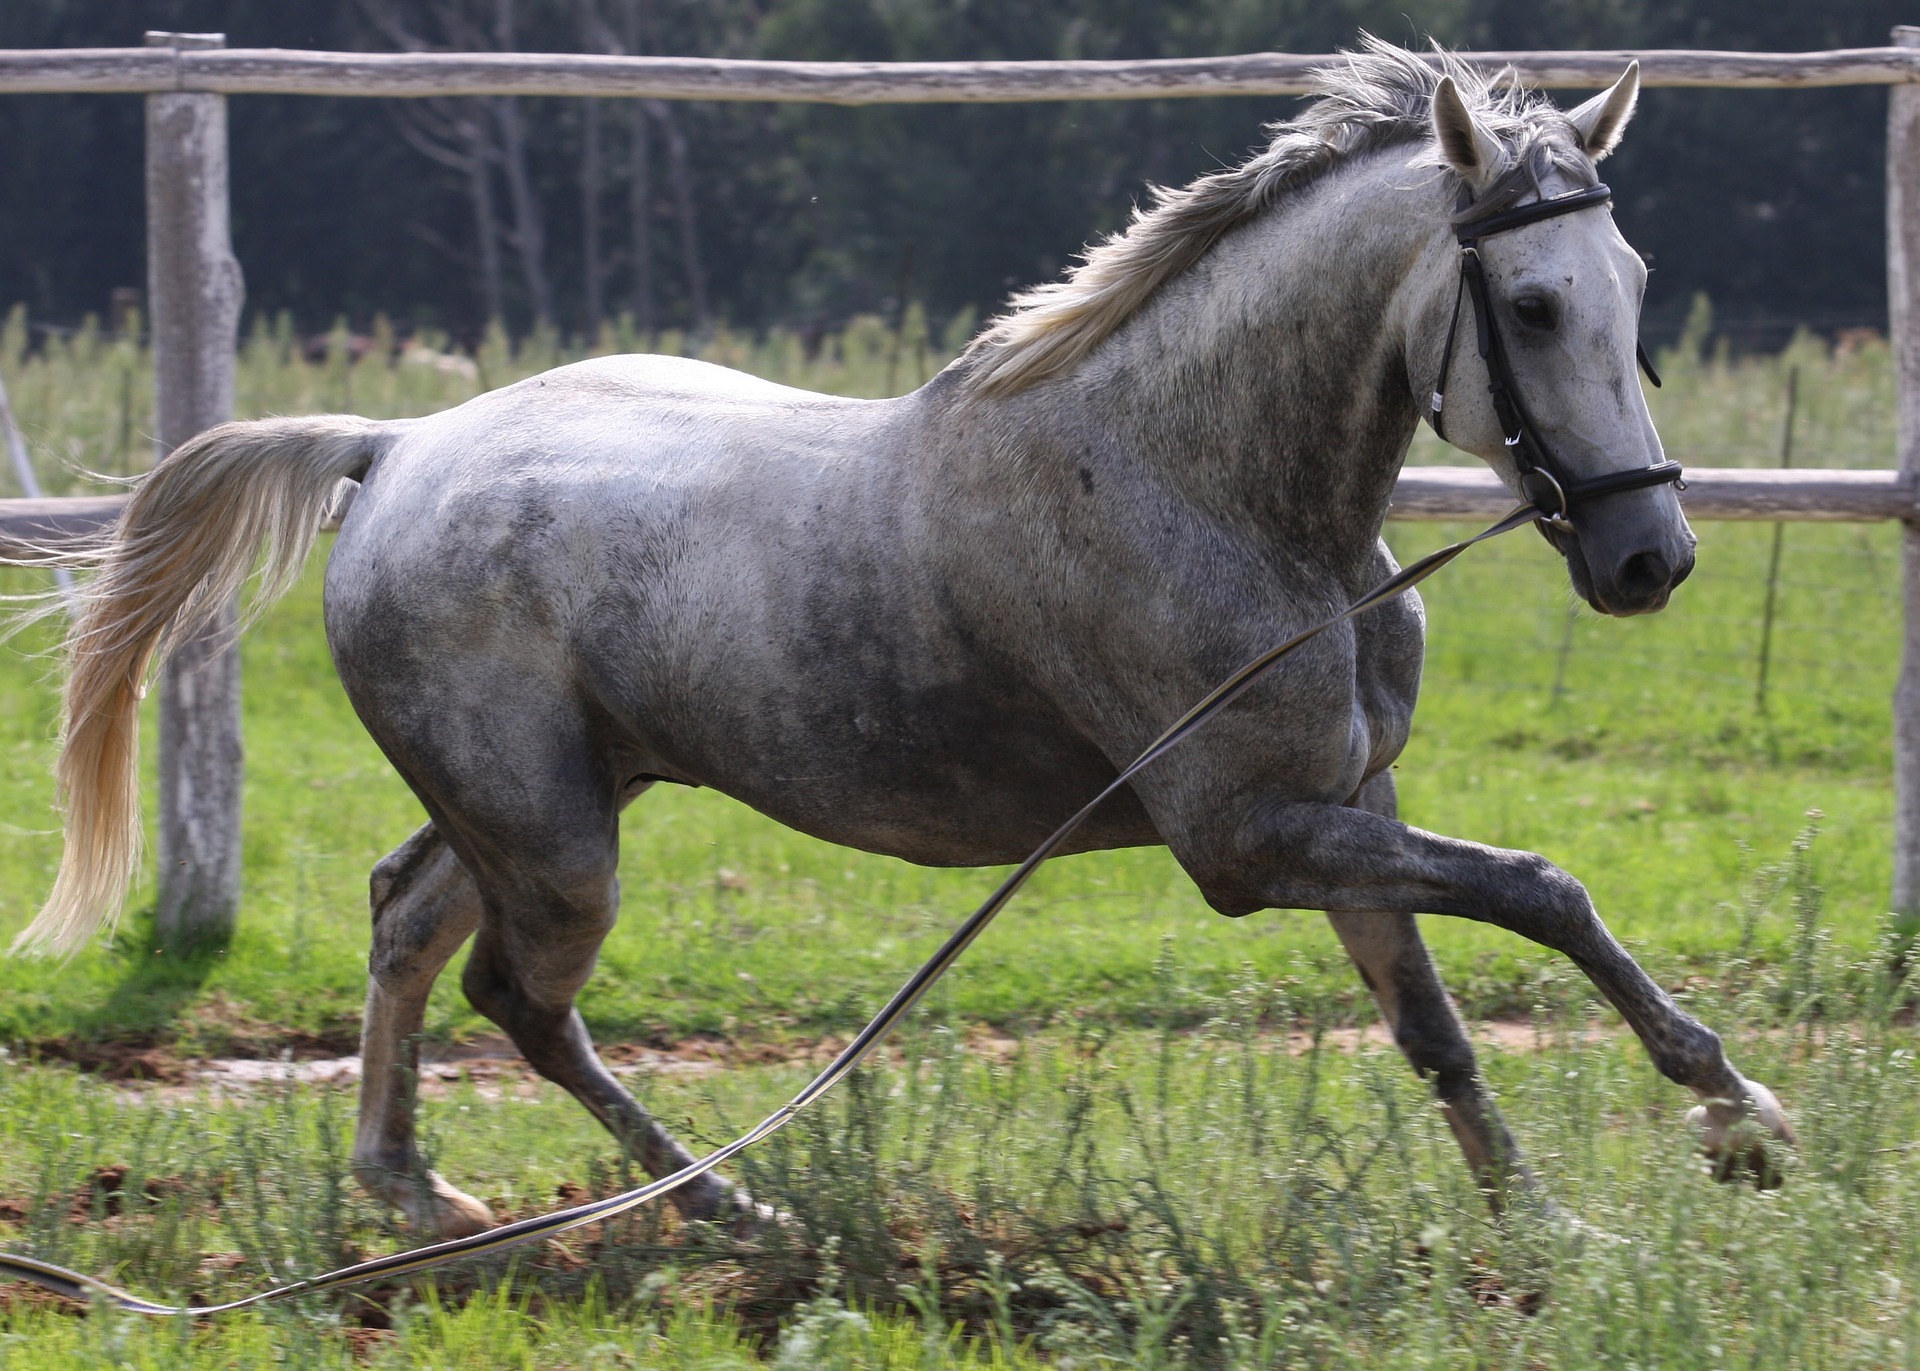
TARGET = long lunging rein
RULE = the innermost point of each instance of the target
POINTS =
(1549, 495)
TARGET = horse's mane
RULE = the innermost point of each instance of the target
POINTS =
(1372, 99)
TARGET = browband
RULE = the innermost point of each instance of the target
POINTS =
(1550, 208)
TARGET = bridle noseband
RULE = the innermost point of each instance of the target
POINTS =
(1550, 493)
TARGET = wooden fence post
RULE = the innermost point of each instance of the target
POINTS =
(1903, 318)
(195, 289)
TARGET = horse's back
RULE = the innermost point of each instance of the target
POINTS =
(499, 530)
(613, 446)
(611, 417)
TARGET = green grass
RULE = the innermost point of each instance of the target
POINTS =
(1134, 1199)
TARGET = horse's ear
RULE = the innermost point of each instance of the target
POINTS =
(1601, 120)
(1468, 148)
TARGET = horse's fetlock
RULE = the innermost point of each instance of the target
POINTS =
(1694, 1055)
(1442, 1060)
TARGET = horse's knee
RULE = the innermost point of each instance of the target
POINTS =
(488, 985)
(518, 981)
(1532, 887)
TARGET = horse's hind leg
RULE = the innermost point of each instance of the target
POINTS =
(547, 883)
(532, 1000)
(425, 904)
(1393, 960)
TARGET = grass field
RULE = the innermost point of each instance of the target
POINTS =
(1133, 1199)
(1634, 753)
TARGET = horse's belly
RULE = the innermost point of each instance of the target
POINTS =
(927, 795)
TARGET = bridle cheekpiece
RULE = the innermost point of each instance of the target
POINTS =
(1550, 492)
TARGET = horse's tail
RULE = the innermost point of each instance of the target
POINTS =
(189, 536)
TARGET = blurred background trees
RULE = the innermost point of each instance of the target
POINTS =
(566, 213)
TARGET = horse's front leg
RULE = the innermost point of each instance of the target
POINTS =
(1319, 856)
(1393, 960)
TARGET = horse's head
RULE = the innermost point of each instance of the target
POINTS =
(1564, 292)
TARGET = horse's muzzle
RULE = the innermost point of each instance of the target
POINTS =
(1639, 583)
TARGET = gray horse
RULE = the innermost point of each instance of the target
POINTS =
(932, 626)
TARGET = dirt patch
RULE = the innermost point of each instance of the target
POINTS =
(115, 1061)
(492, 1066)
(18, 1297)
(364, 1344)
(106, 1194)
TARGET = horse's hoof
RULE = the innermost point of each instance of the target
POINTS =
(747, 1220)
(1738, 1135)
(444, 1213)
(459, 1215)
(725, 1205)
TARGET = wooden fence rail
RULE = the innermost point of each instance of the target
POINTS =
(1423, 494)
(198, 71)
(1763, 494)
(276, 71)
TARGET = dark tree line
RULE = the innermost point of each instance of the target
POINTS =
(488, 144)
(565, 212)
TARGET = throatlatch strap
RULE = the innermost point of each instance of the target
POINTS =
(1646, 362)
(1437, 406)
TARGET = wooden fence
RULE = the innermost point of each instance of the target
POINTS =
(212, 70)
(195, 290)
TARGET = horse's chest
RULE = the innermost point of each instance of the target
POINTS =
(1387, 664)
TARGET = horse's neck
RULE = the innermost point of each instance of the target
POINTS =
(1270, 380)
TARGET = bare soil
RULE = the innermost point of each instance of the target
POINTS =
(492, 1065)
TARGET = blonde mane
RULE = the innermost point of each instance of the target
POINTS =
(1375, 98)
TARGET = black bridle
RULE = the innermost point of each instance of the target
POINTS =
(1541, 478)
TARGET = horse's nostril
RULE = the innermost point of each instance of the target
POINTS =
(1647, 573)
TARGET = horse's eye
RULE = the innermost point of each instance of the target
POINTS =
(1534, 312)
